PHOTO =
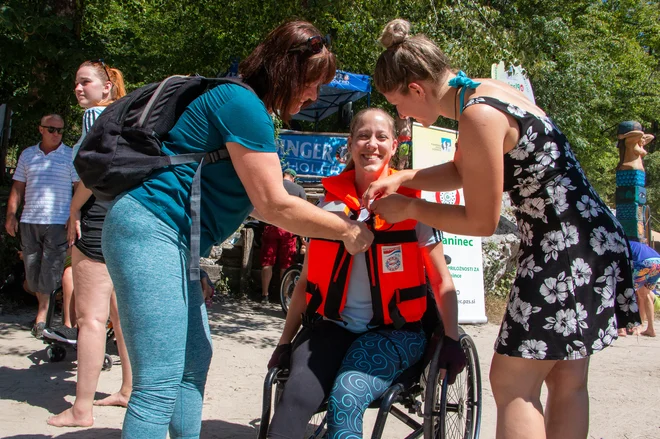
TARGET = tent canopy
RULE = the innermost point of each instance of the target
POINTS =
(346, 87)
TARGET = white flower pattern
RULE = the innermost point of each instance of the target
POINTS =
(573, 284)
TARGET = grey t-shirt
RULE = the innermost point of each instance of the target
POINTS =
(358, 312)
(294, 189)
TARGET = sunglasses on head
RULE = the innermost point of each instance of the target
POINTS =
(100, 61)
(52, 130)
(313, 44)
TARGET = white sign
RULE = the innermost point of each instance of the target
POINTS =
(515, 77)
(433, 146)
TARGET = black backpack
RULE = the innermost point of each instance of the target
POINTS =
(123, 146)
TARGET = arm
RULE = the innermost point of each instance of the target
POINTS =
(296, 308)
(80, 196)
(443, 287)
(481, 167)
(440, 178)
(261, 176)
(16, 196)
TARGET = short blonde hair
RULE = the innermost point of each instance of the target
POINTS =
(407, 59)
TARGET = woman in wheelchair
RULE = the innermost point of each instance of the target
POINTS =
(361, 314)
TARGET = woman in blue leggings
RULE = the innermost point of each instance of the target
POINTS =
(361, 314)
(146, 237)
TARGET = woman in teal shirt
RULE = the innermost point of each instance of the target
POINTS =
(147, 232)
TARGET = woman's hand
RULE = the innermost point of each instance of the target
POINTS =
(358, 238)
(393, 208)
(452, 358)
(281, 357)
(73, 227)
(382, 188)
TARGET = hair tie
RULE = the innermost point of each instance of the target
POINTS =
(462, 80)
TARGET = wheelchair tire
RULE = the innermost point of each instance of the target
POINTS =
(289, 280)
(316, 425)
(454, 412)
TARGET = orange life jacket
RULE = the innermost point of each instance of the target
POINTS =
(394, 263)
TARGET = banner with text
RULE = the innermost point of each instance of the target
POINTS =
(312, 154)
(433, 146)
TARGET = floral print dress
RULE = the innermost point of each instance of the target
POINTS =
(573, 286)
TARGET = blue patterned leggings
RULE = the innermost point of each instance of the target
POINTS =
(370, 366)
(350, 369)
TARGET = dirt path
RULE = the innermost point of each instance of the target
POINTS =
(624, 383)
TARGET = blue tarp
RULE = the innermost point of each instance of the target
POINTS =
(346, 87)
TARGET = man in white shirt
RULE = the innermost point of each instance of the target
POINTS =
(42, 182)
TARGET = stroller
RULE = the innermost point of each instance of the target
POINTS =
(56, 349)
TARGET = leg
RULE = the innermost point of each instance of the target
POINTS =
(120, 398)
(567, 407)
(269, 242)
(42, 310)
(68, 302)
(645, 300)
(516, 384)
(316, 357)
(32, 246)
(370, 366)
(93, 291)
(154, 298)
(642, 309)
(266, 276)
(197, 361)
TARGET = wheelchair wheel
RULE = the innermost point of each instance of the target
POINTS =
(316, 426)
(289, 280)
(454, 412)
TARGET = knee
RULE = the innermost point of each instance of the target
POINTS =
(507, 386)
(566, 382)
(154, 404)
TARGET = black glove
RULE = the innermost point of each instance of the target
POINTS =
(452, 358)
(281, 357)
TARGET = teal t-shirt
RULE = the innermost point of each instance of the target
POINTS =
(227, 113)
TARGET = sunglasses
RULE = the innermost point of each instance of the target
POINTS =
(100, 61)
(313, 44)
(52, 130)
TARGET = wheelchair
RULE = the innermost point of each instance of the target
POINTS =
(288, 283)
(442, 410)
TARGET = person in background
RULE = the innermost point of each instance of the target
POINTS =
(43, 183)
(97, 86)
(147, 233)
(573, 287)
(646, 266)
(277, 244)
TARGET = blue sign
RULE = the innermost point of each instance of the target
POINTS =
(311, 154)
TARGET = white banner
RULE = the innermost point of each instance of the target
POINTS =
(433, 146)
(515, 77)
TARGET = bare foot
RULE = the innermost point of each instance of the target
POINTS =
(68, 419)
(115, 400)
(622, 332)
(649, 333)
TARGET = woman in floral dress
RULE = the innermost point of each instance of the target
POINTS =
(573, 287)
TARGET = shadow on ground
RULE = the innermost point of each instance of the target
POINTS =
(211, 429)
(247, 322)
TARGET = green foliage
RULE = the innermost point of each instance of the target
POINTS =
(592, 63)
